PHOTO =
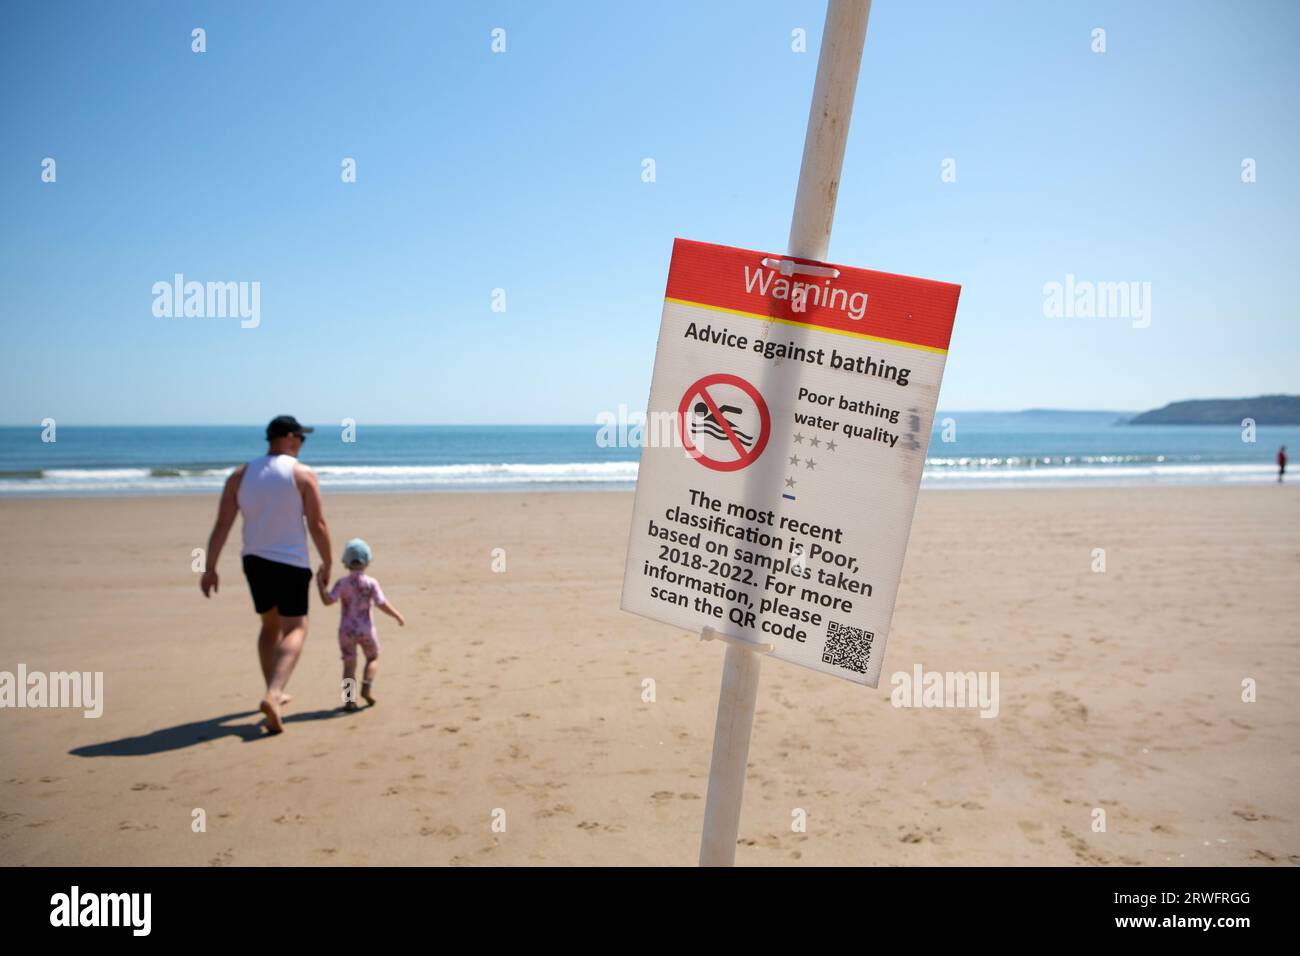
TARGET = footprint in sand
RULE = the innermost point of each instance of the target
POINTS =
(448, 831)
(914, 835)
(1069, 707)
(1030, 829)
(1250, 816)
(591, 826)
(1081, 849)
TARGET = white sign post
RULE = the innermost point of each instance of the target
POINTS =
(789, 416)
(838, 63)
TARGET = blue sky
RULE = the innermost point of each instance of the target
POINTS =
(522, 171)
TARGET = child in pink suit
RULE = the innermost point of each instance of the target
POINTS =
(358, 591)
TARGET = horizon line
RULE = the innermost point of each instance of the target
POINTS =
(952, 411)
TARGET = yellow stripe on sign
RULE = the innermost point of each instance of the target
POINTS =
(805, 325)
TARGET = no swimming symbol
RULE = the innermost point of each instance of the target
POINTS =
(724, 422)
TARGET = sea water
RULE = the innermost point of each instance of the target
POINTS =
(987, 449)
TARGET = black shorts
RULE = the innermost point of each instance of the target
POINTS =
(277, 586)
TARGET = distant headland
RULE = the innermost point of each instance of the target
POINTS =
(1263, 409)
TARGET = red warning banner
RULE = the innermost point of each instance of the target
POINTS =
(917, 313)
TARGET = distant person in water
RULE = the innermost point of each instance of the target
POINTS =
(280, 500)
(358, 592)
(1281, 462)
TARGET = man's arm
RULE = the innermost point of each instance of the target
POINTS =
(226, 511)
(314, 510)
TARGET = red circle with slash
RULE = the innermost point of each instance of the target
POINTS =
(747, 456)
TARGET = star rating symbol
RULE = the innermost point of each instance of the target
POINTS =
(815, 442)
(811, 464)
(798, 438)
(794, 460)
(789, 482)
(830, 446)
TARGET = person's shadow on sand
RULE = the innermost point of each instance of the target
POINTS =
(197, 732)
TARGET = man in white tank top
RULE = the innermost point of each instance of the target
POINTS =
(281, 503)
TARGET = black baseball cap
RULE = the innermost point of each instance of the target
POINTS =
(283, 425)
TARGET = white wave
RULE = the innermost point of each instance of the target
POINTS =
(95, 474)
(76, 481)
(943, 473)
(580, 471)
(1216, 473)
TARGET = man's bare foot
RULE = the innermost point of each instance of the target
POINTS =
(272, 710)
(285, 698)
(367, 693)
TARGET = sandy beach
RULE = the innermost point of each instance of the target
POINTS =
(522, 691)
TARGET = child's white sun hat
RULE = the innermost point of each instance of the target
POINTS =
(354, 551)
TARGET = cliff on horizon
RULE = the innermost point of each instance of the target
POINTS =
(1264, 409)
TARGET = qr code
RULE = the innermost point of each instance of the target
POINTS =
(847, 647)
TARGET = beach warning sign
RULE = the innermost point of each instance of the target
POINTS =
(789, 417)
